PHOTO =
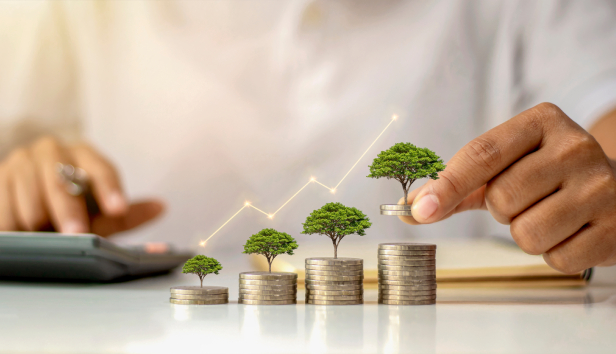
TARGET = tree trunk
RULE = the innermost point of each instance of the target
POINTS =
(406, 193)
(270, 266)
(335, 250)
(201, 278)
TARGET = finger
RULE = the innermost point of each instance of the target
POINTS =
(136, 215)
(475, 201)
(7, 219)
(104, 179)
(68, 213)
(580, 251)
(26, 193)
(482, 159)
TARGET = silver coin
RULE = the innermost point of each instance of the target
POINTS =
(337, 297)
(407, 246)
(266, 302)
(355, 267)
(396, 207)
(335, 292)
(200, 297)
(407, 292)
(199, 290)
(334, 261)
(407, 287)
(333, 284)
(408, 277)
(407, 262)
(334, 272)
(334, 277)
(407, 302)
(268, 282)
(268, 292)
(406, 253)
(268, 276)
(334, 302)
(406, 282)
(406, 258)
(269, 287)
(407, 273)
(403, 268)
(396, 212)
(198, 302)
(402, 297)
(334, 287)
(268, 297)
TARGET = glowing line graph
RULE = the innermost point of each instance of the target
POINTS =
(312, 180)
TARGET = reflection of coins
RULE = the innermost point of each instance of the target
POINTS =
(334, 261)
(268, 297)
(407, 302)
(268, 276)
(266, 302)
(198, 302)
(407, 246)
(199, 290)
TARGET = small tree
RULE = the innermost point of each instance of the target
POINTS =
(406, 163)
(335, 221)
(270, 243)
(202, 266)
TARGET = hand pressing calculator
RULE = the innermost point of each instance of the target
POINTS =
(81, 257)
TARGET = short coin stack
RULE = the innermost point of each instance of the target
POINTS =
(407, 273)
(396, 209)
(334, 281)
(195, 295)
(264, 288)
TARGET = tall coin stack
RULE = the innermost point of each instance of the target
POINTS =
(334, 281)
(407, 273)
(195, 295)
(264, 288)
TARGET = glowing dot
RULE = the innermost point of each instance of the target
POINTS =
(271, 216)
(202, 243)
(312, 179)
(394, 117)
(332, 190)
(247, 203)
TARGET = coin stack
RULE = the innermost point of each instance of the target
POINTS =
(396, 209)
(264, 288)
(334, 281)
(407, 273)
(195, 295)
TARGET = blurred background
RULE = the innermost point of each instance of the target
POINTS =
(209, 104)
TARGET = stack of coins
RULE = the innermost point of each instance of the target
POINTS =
(334, 281)
(195, 295)
(396, 209)
(407, 273)
(264, 288)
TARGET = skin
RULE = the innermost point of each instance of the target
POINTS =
(32, 198)
(543, 175)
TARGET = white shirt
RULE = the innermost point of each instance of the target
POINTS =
(209, 104)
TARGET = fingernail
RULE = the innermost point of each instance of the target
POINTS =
(425, 207)
(73, 227)
(116, 202)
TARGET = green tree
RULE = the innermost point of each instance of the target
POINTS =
(335, 221)
(270, 243)
(202, 266)
(406, 163)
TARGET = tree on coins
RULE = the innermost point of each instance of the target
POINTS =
(270, 243)
(335, 221)
(406, 163)
(202, 266)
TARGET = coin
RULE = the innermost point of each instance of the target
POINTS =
(407, 292)
(406, 258)
(402, 268)
(427, 286)
(406, 253)
(406, 282)
(335, 292)
(334, 302)
(410, 297)
(407, 302)
(396, 212)
(408, 277)
(344, 287)
(334, 272)
(396, 206)
(407, 262)
(407, 273)
(268, 287)
(267, 297)
(198, 302)
(334, 261)
(334, 277)
(267, 282)
(407, 246)
(267, 292)
(331, 284)
(268, 276)
(199, 297)
(344, 267)
(336, 297)
(267, 302)
(199, 290)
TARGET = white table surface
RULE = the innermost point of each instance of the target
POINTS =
(136, 317)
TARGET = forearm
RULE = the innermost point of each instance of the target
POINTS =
(604, 130)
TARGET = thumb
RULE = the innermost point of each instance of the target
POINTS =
(137, 214)
(475, 201)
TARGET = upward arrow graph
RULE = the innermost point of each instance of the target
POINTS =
(312, 180)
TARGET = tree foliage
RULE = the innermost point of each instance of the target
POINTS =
(270, 243)
(336, 221)
(406, 163)
(201, 266)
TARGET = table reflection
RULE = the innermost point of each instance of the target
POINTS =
(335, 327)
(408, 329)
(258, 321)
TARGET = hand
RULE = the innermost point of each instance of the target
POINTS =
(542, 174)
(32, 197)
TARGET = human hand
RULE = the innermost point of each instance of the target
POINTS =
(33, 198)
(545, 176)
